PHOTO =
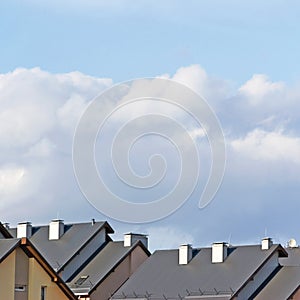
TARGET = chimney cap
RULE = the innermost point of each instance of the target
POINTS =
(136, 234)
(220, 243)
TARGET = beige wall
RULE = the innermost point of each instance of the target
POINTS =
(38, 278)
(114, 281)
(21, 274)
(296, 296)
(19, 269)
(7, 277)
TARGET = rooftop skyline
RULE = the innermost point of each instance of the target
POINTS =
(241, 57)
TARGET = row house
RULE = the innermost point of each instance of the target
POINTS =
(82, 255)
(25, 274)
(219, 272)
(81, 261)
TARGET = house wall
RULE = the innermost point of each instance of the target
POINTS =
(83, 255)
(296, 296)
(114, 281)
(138, 256)
(38, 278)
(7, 277)
(259, 278)
(21, 274)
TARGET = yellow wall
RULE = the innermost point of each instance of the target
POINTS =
(21, 273)
(38, 278)
(7, 277)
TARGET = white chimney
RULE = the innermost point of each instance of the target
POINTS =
(56, 229)
(24, 230)
(266, 243)
(219, 252)
(131, 238)
(185, 254)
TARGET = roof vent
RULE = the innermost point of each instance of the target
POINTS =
(266, 243)
(219, 252)
(56, 229)
(185, 254)
(131, 238)
(292, 243)
(24, 230)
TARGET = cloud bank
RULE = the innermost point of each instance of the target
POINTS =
(38, 116)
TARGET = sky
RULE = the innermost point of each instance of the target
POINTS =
(241, 56)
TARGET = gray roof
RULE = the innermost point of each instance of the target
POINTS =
(282, 285)
(101, 266)
(4, 233)
(287, 280)
(161, 276)
(293, 258)
(59, 252)
(7, 246)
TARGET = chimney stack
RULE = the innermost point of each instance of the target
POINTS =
(24, 230)
(131, 238)
(266, 243)
(219, 252)
(56, 229)
(185, 254)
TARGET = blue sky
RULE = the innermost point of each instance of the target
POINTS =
(243, 56)
(124, 40)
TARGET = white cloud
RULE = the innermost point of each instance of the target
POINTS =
(259, 88)
(268, 146)
(195, 77)
(32, 99)
(10, 178)
(39, 112)
(70, 112)
(42, 148)
(168, 237)
(38, 115)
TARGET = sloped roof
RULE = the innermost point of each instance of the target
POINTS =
(4, 232)
(7, 246)
(59, 252)
(161, 276)
(102, 265)
(293, 258)
(282, 285)
(287, 280)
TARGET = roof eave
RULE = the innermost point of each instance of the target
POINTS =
(29, 248)
(280, 251)
(108, 230)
